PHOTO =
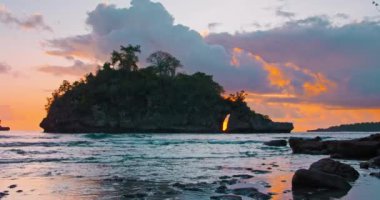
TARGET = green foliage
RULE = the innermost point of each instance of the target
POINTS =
(165, 63)
(126, 59)
(152, 98)
(238, 96)
(63, 88)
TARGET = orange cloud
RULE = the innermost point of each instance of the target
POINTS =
(307, 116)
(320, 85)
(276, 76)
(235, 56)
(204, 33)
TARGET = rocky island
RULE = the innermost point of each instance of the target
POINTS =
(122, 98)
(2, 128)
(358, 127)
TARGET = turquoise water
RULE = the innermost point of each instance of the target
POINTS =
(116, 166)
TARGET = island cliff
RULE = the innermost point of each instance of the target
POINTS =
(120, 98)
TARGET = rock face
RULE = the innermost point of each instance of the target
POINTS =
(325, 174)
(369, 147)
(276, 143)
(335, 167)
(304, 178)
(241, 121)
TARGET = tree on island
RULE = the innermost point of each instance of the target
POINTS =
(120, 97)
(165, 63)
(126, 59)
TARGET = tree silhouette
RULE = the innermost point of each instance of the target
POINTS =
(238, 96)
(126, 59)
(165, 63)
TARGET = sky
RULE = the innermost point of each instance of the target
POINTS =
(314, 63)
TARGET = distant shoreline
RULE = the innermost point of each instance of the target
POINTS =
(357, 127)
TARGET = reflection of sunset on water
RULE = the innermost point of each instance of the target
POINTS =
(280, 183)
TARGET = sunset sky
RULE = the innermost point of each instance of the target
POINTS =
(315, 63)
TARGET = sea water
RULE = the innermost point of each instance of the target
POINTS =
(151, 166)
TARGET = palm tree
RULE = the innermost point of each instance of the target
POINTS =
(126, 59)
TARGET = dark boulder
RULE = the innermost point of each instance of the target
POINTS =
(349, 149)
(276, 143)
(251, 192)
(226, 197)
(307, 145)
(3, 194)
(374, 162)
(318, 194)
(364, 165)
(314, 179)
(221, 189)
(330, 166)
(12, 186)
(243, 176)
(375, 174)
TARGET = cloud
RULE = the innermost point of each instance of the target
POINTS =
(77, 69)
(151, 26)
(343, 57)
(213, 26)
(35, 21)
(4, 68)
(281, 13)
(342, 16)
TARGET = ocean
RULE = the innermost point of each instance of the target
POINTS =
(156, 166)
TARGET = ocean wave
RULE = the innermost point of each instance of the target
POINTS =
(130, 157)
(179, 142)
(28, 144)
(78, 143)
(29, 160)
(45, 144)
(97, 136)
(233, 141)
(6, 136)
(23, 152)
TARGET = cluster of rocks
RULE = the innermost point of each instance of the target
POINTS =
(232, 189)
(362, 148)
(329, 174)
(6, 192)
(325, 174)
(236, 193)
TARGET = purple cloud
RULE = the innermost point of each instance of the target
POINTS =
(35, 21)
(4, 68)
(77, 69)
(346, 55)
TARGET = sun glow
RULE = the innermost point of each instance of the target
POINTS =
(225, 123)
